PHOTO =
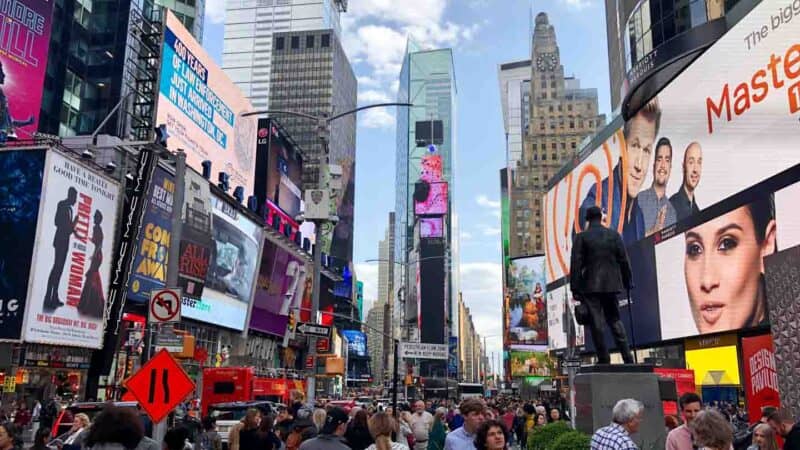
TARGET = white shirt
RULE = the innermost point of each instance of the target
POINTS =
(395, 446)
(421, 425)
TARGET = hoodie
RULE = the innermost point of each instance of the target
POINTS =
(325, 442)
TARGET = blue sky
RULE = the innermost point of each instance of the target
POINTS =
(483, 34)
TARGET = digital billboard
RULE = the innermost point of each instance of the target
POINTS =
(432, 288)
(689, 182)
(525, 310)
(150, 262)
(231, 274)
(20, 193)
(356, 343)
(201, 108)
(525, 364)
(431, 227)
(279, 289)
(430, 191)
(279, 168)
(196, 242)
(71, 265)
(23, 60)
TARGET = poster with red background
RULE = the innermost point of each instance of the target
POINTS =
(684, 382)
(760, 376)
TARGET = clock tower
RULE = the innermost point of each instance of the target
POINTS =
(560, 115)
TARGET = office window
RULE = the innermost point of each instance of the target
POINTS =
(309, 41)
(295, 42)
(326, 40)
(279, 43)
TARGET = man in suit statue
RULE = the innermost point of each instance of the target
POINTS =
(600, 271)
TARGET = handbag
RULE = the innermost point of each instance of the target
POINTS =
(582, 315)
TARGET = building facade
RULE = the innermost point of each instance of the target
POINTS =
(515, 98)
(375, 322)
(249, 29)
(425, 241)
(311, 74)
(562, 114)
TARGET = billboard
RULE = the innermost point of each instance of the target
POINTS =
(525, 364)
(201, 108)
(68, 288)
(20, 193)
(279, 168)
(525, 310)
(760, 375)
(196, 242)
(279, 289)
(432, 289)
(431, 227)
(231, 273)
(150, 262)
(356, 343)
(430, 191)
(686, 183)
(452, 357)
(23, 60)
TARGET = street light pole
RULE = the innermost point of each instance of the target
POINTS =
(323, 131)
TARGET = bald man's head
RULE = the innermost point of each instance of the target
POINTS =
(692, 166)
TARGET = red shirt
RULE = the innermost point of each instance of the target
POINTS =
(508, 419)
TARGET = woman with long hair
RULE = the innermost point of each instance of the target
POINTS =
(92, 302)
(404, 433)
(438, 430)
(381, 426)
(244, 436)
(358, 434)
(712, 431)
(763, 438)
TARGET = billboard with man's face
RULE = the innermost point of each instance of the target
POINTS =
(694, 183)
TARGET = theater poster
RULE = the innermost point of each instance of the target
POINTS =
(760, 375)
(68, 288)
(23, 60)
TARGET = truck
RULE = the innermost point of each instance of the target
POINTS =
(243, 384)
(470, 390)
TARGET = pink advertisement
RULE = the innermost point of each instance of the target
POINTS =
(24, 42)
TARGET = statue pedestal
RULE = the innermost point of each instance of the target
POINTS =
(599, 387)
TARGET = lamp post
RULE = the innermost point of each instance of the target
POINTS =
(323, 133)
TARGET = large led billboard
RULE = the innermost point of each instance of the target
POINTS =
(430, 191)
(279, 290)
(279, 168)
(356, 343)
(525, 310)
(231, 274)
(23, 60)
(525, 364)
(201, 108)
(690, 183)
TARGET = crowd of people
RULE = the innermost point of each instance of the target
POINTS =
(474, 424)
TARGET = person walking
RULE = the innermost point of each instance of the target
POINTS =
(463, 438)
(209, 439)
(249, 421)
(404, 433)
(492, 435)
(331, 436)
(763, 438)
(10, 438)
(712, 431)
(40, 439)
(626, 418)
(381, 426)
(438, 430)
(421, 422)
(785, 426)
(357, 434)
(681, 437)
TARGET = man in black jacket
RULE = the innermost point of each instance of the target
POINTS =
(599, 272)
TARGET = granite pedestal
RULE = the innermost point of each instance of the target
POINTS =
(599, 387)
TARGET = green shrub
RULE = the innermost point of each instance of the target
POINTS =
(572, 440)
(541, 437)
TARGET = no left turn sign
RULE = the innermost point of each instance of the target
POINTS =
(165, 306)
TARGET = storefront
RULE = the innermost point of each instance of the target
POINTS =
(41, 371)
(715, 361)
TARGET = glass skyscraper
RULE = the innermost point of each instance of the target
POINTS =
(425, 131)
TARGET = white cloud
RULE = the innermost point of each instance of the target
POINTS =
(466, 235)
(215, 11)
(372, 96)
(405, 12)
(484, 201)
(482, 288)
(577, 4)
(489, 230)
(367, 273)
(368, 82)
(377, 118)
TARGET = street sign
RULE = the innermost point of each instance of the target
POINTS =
(309, 362)
(572, 363)
(323, 346)
(160, 385)
(310, 329)
(165, 306)
(421, 350)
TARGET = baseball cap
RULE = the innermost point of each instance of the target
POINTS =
(304, 417)
(334, 418)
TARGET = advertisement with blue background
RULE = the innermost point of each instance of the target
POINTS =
(20, 192)
(452, 357)
(356, 343)
(150, 262)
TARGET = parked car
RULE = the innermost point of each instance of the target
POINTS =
(228, 414)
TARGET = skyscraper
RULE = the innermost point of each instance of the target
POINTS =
(425, 236)
(561, 115)
(515, 98)
(311, 74)
(249, 29)
(375, 341)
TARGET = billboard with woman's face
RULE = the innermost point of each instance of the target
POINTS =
(697, 183)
